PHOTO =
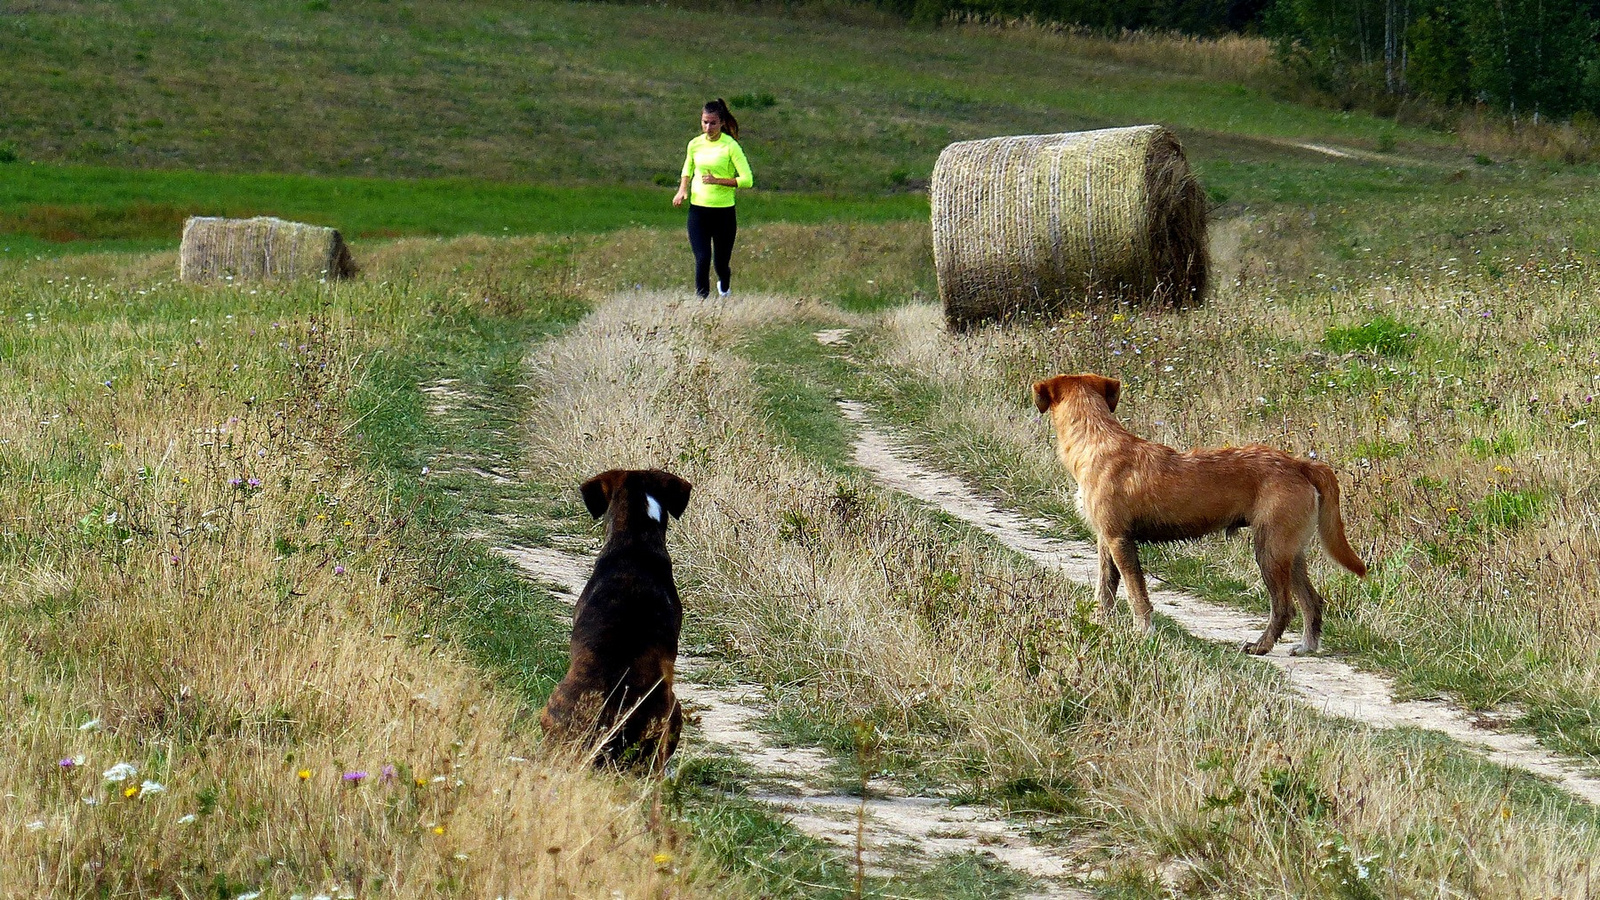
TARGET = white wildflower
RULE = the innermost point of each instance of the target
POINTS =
(121, 772)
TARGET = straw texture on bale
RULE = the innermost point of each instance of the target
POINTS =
(261, 249)
(1034, 223)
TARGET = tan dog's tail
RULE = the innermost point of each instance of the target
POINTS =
(1329, 523)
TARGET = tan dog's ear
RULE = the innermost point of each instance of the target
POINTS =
(673, 491)
(1044, 394)
(1112, 388)
(597, 492)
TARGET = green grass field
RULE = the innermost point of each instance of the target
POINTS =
(557, 118)
(61, 209)
(570, 93)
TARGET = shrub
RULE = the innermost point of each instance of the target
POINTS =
(1382, 335)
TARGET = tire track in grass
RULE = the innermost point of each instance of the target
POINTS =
(1331, 686)
(893, 827)
(893, 831)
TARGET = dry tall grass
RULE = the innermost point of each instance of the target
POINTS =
(858, 611)
(1572, 142)
(213, 680)
(1231, 57)
(843, 261)
(1464, 447)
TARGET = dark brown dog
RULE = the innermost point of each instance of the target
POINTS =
(618, 688)
(1132, 490)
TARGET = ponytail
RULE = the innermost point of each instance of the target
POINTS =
(730, 125)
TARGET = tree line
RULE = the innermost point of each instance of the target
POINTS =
(1535, 58)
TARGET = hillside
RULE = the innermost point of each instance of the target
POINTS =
(526, 118)
(145, 112)
(567, 93)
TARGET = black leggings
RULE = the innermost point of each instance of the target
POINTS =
(712, 227)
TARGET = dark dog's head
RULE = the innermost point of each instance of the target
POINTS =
(636, 498)
(1049, 392)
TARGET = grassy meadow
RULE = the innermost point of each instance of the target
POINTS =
(253, 636)
(514, 118)
(226, 637)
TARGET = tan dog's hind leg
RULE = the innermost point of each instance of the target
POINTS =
(1110, 575)
(1311, 604)
(1125, 553)
(1279, 576)
(1280, 540)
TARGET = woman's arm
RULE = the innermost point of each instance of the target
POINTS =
(741, 168)
(687, 174)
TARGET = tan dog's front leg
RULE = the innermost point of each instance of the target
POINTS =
(1125, 553)
(1110, 576)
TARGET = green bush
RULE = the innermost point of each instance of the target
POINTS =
(1382, 335)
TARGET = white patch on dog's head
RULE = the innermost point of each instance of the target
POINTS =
(653, 507)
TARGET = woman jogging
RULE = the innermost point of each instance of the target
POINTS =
(714, 166)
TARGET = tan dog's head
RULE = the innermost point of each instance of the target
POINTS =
(636, 497)
(1049, 392)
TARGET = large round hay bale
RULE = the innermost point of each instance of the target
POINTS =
(1034, 223)
(260, 249)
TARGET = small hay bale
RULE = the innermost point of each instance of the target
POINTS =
(261, 249)
(1033, 223)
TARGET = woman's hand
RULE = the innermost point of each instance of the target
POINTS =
(677, 199)
(712, 179)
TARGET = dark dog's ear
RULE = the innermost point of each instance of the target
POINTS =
(597, 492)
(1044, 395)
(672, 491)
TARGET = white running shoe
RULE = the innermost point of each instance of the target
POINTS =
(721, 291)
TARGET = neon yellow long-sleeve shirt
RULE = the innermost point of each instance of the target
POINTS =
(721, 158)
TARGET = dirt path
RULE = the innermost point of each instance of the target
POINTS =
(1356, 154)
(895, 833)
(1331, 686)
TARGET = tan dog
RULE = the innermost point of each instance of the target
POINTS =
(1131, 490)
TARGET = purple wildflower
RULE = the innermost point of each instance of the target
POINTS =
(354, 777)
(338, 570)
